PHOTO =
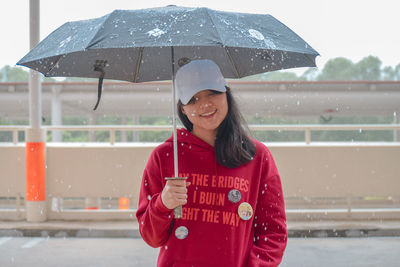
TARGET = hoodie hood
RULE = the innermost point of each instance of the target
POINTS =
(186, 138)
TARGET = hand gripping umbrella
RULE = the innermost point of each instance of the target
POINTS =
(150, 44)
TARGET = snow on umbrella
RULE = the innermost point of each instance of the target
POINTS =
(150, 44)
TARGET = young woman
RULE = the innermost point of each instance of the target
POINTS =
(233, 208)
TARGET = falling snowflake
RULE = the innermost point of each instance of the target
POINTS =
(155, 32)
(64, 42)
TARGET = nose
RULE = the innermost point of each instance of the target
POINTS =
(205, 102)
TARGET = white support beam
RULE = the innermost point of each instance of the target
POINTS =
(56, 112)
(36, 210)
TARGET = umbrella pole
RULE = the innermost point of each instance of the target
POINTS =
(174, 115)
(177, 210)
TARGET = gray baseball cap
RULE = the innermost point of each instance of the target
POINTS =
(198, 75)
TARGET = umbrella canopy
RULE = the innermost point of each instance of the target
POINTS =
(135, 45)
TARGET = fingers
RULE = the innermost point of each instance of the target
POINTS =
(178, 186)
(181, 196)
(173, 200)
(178, 189)
(180, 200)
(174, 193)
(182, 183)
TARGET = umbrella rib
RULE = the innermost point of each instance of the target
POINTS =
(215, 26)
(55, 65)
(232, 62)
(138, 64)
(226, 49)
(309, 59)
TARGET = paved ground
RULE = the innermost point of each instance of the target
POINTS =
(130, 228)
(115, 252)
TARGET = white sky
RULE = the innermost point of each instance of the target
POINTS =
(347, 28)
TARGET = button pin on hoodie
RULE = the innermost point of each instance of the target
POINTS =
(245, 211)
(181, 232)
(234, 196)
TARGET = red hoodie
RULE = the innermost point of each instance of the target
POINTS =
(216, 234)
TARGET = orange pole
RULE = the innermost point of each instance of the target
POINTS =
(92, 208)
(35, 171)
(123, 203)
(91, 203)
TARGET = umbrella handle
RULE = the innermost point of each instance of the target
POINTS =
(99, 89)
(99, 67)
(177, 210)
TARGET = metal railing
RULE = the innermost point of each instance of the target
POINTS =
(307, 129)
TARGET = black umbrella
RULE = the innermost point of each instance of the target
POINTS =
(141, 45)
(150, 44)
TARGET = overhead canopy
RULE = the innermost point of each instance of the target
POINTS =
(276, 99)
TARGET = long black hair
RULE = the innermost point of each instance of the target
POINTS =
(232, 146)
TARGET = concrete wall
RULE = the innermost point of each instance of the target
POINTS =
(308, 173)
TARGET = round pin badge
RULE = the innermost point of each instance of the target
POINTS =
(245, 211)
(234, 196)
(181, 232)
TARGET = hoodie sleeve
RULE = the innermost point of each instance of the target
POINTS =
(153, 217)
(270, 234)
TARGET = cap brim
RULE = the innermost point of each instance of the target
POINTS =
(186, 100)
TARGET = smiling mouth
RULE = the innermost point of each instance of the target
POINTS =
(208, 114)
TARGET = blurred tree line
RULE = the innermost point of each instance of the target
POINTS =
(340, 68)
(18, 74)
(369, 68)
(264, 136)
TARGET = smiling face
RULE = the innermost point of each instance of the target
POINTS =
(206, 110)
